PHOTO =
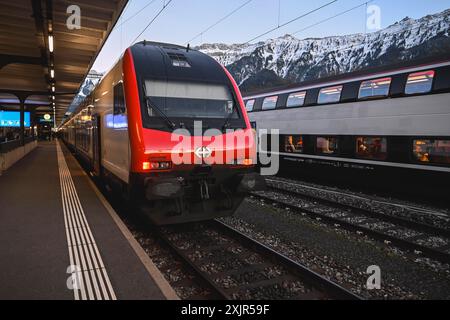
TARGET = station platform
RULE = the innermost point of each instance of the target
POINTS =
(60, 239)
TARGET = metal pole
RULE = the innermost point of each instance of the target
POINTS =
(22, 120)
(33, 122)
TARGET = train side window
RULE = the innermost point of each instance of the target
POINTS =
(249, 105)
(433, 151)
(374, 88)
(293, 144)
(327, 145)
(371, 148)
(119, 99)
(296, 99)
(270, 103)
(330, 95)
(419, 82)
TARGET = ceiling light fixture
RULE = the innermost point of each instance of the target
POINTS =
(50, 43)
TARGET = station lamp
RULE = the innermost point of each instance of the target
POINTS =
(50, 43)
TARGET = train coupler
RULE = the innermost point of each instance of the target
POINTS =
(204, 190)
(170, 188)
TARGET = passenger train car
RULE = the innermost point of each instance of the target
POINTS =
(161, 102)
(388, 129)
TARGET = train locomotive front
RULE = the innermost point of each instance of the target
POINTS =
(192, 150)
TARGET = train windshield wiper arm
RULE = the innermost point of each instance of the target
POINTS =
(162, 114)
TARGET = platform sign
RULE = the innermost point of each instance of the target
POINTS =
(12, 119)
(46, 118)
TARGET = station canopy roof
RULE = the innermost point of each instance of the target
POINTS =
(28, 56)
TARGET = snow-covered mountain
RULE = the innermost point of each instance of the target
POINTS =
(288, 59)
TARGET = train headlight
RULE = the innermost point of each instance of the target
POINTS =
(245, 162)
(145, 165)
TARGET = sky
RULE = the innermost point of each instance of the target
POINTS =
(183, 20)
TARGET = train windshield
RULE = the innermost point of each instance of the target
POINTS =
(191, 100)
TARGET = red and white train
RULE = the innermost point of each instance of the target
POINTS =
(128, 132)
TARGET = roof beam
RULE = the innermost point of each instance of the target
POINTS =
(30, 104)
(40, 26)
(6, 59)
(102, 5)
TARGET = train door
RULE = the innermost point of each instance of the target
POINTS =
(96, 143)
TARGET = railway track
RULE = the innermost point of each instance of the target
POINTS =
(275, 185)
(224, 263)
(235, 266)
(405, 234)
(442, 216)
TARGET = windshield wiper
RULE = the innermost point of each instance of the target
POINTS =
(162, 114)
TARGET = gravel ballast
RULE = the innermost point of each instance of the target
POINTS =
(425, 214)
(342, 256)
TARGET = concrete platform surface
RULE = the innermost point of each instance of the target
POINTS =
(60, 239)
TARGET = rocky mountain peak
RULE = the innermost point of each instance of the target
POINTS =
(288, 59)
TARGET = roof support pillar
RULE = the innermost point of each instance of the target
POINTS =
(22, 121)
(33, 121)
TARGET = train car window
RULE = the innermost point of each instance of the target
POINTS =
(119, 99)
(296, 99)
(329, 95)
(374, 88)
(190, 100)
(249, 105)
(433, 151)
(419, 82)
(270, 103)
(327, 145)
(371, 148)
(293, 144)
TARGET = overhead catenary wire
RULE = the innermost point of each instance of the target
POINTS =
(219, 21)
(165, 5)
(127, 6)
(365, 43)
(136, 13)
(332, 17)
(361, 45)
(292, 20)
(352, 46)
